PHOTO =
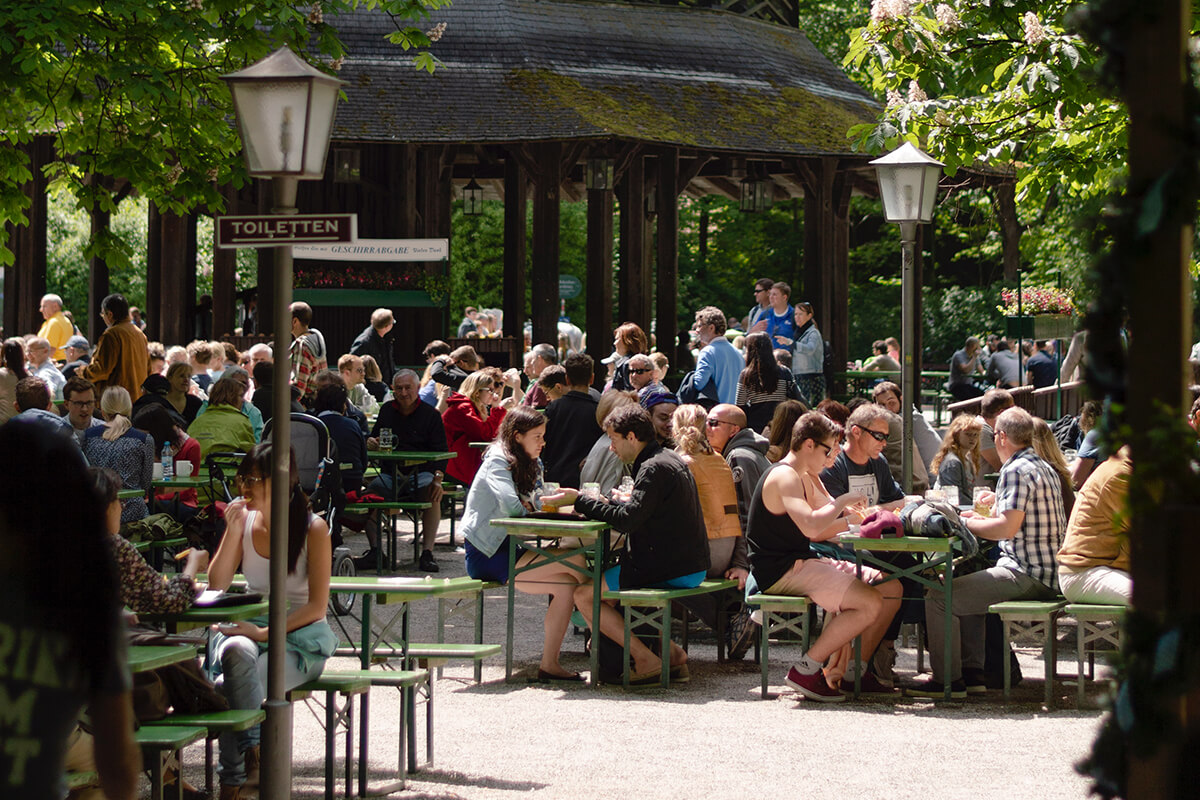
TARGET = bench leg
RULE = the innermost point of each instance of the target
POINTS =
(479, 635)
(411, 694)
(1050, 654)
(363, 739)
(1080, 640)
(765, 658)
(625, 653)
(1007, 659)
(665, 639)
(330, 741)
(429, 720)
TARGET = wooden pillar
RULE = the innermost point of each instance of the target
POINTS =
(153, 315)
(838, 332)
(599, 276)
(174, 327)
(25, 279)
(408, 191)
(819, 245)
(631, 192)
(544, 267)
(224, 280)
(266, 267)
(666, 298)
(98, 284)
(515, 250)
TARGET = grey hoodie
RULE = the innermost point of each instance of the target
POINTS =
(746, 454)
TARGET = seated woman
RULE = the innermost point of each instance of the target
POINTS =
(186, 404)
(165, 427)
(602, 465)
(763, 384)
(239, 649)
(59, 594)
(123, 449)
(779, 432)
(719, 504)
(223, 427)
(1047, 449)
(958, 460)
(473, 414)
(373, 378)
(791, 510)
(505, 487)
(143, 589)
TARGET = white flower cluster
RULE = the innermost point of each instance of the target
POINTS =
(915, 93)
(196, 5)
(1034, 32)
(174, 173)
(890, 9)
(894, 98)
(436, 31)
(947, 17)
(337, 63)
(316, 15)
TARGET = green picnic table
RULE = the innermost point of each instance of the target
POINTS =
(143, 658)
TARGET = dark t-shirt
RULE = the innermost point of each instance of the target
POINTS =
(874, 479)
(571, 430)
(422, 430)
(1041, 364)
(774, 540)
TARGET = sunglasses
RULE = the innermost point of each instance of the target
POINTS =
(498, 385)
(712, 423)
(639, 371)
(828, 449)
(876, 435)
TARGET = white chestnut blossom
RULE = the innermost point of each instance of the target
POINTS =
(435, 33)
(890, 9)
(1034, 32)
(947, 17)
(915, 93)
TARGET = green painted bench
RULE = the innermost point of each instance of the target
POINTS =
(161, 745)
(347, 687)
(659, 617)
(215, 723)
(407, 681)
(780, 614)
(1096, 624)
(1035, 616)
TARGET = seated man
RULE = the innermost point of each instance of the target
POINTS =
(880, 361)
(1093, 562)
(1028, 519)
(994, 401)
(33, 404)
(790, 510)
(42, 366)
(415, 426)
(80, 395)
(642, 375)
(571, 427)
(859, 467)
(667, 544)
(661, 407)
(452, 370)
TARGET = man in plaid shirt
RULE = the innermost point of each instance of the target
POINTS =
(1028, 520)
(308, 353)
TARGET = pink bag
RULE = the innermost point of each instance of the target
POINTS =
(882, 525)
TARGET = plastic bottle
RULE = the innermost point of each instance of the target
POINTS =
(168, 463)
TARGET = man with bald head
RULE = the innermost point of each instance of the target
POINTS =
(56, 328)
(744, 450)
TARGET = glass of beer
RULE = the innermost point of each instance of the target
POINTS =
(548, 488)
(981, 508)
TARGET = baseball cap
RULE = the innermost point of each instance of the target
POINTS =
(653, 399)
(78, 342)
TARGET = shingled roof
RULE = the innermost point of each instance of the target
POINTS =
(546, 70)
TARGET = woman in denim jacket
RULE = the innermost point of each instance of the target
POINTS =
(808, 356)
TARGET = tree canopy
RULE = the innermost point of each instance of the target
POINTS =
(131, 89)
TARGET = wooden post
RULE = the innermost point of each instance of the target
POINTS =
(599, 276)
(515, 250)
(667, 249)
(631, 192)
(224, 280)
(1160, 314)
(153, 275)
(25, 280)
(544, 271)
(98, 286)
(176, 276)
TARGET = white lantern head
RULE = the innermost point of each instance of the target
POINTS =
(285, 109)
(908, 181)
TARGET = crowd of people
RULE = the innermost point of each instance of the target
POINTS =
(747, 472)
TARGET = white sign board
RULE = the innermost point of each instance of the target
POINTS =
(377, 250)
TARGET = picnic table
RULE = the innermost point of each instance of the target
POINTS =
(593, 545)
(202, 617)
(143, 658)
(932, 553)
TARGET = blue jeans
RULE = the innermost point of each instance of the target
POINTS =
(243, 682)
(410, 485)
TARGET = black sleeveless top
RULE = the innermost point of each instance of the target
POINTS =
(775, 541)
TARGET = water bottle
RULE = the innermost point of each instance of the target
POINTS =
(168, 463)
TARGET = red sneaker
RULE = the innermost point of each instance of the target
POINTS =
(869, 684)
(813, 686)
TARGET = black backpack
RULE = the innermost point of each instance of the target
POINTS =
(1066, 432)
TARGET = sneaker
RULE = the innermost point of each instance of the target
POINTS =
(813, 686)
(869, 684)
(741, 635)
(428, 564)
(936, 690)
(974, 681)
(367, 561)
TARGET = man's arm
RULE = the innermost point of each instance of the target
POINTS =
(104, 360)
(704, 368)
(1003, 526)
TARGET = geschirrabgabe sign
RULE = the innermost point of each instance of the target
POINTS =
(377, 250)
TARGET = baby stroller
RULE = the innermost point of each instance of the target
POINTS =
(316, 460)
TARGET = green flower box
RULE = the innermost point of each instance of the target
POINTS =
(1040, 326)
(366, 298)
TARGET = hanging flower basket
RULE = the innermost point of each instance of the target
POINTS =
(1040, 326)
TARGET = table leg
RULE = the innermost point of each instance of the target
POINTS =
(512, 599)
(365, 651)
(665, 668)
(948, 620)
(601, 549)
(857, 639)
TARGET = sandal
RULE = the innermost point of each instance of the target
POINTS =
(549, 677)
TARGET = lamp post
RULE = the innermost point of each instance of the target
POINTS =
(284, 109)
(472, 198)
(908, 181)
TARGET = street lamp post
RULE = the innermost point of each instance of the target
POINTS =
(285, 110)
(908, 181)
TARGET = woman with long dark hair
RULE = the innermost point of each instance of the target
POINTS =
(12, 369)
(763, 384)
(59, 594)
(239, 648)
(779, 434)
(505, 486)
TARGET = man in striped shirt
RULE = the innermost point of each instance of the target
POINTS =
(1028, 520)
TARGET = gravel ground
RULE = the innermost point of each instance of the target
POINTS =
(713, 737)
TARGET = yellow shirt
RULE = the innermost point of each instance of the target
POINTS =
(57, 330)
(1097, 533)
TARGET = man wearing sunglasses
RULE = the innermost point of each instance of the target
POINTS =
(642, 375)
(860, 466)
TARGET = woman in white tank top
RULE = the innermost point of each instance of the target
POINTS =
(240, 648)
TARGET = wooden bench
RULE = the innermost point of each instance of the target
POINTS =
(215, 723)
(1035, 616)
(780, 614)
(659, 617)
(161, 745)
(453, 491)
(433, 653)
(347, 687)
(1095, 624)
(406, 681)
(412, 510)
